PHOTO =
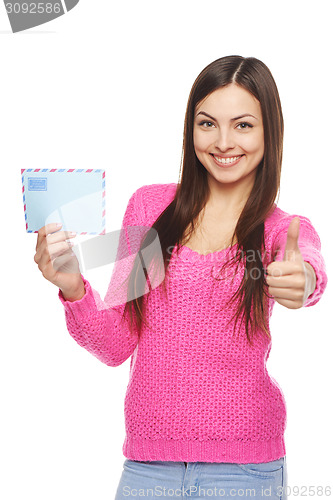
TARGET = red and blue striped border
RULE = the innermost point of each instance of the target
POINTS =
(70, 170)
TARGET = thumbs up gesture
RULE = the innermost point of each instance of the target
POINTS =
(291, 280)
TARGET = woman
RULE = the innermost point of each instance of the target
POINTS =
(203, 417)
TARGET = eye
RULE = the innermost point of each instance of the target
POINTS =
(245, 125)
(206, 124)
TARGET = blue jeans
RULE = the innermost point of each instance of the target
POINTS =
(192, 480)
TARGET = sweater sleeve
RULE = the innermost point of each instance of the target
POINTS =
(97, 325)
(310, 246)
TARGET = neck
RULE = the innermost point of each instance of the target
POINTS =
(228, 199)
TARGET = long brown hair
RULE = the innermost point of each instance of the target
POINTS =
(193, 191)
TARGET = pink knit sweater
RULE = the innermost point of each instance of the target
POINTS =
(196, 392)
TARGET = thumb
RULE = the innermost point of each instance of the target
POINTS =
(292, 240)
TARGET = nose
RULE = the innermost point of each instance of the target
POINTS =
(224, 140)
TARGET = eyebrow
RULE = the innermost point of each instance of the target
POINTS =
(231, 119)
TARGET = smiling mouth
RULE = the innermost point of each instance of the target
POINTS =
(226, 161)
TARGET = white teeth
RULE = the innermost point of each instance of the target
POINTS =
(227, 160)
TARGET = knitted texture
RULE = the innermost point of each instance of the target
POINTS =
(196, 391)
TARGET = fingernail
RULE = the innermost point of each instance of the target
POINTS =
(72, 234)
(58, 224)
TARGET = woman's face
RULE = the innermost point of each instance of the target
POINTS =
(228, 135)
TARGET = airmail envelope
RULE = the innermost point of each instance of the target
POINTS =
(73, 197)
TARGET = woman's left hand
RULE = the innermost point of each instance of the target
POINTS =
(291, 281)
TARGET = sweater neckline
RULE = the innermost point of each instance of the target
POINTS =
(192, 255)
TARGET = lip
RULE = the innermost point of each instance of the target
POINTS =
(229, 164)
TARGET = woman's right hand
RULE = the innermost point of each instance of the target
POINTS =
(56, 261)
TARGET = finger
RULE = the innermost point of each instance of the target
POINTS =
(280, 281)
(59, 236)
(45, 265)
(45, 230)
(66, 262)
(56, 249)
(291, 247)
(50, 239)
(45, 252)
(290, 304)
(286, 293)
(283, 268)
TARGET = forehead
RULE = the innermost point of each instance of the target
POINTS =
(229, 101)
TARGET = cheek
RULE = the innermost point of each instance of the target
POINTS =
(198, 142)
(254, 144)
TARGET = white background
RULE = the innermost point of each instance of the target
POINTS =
(106, 86)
